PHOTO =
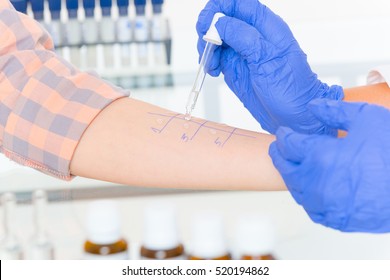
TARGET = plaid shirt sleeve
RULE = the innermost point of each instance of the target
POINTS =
(46, 104)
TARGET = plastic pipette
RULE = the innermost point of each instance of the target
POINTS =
(213, 39)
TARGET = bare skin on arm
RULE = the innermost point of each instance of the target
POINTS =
(378, 94)
(135, 143)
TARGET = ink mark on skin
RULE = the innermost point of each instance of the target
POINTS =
(199, 128)
(230, 135)
(170, 119)
(218, 142)
(185, 137)
(156, 130)
(181, 117)
(201, 125)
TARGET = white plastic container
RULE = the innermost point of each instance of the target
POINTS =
(160, 234)
(104, 237)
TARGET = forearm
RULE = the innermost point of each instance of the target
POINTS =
(135, 143)
(378, 94)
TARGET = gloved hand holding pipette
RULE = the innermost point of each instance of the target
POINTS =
(212, 40)
(341, 183)
(264, 65)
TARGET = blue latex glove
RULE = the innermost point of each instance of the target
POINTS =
(342, 183)
(264, 65)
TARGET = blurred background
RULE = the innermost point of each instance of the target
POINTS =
(150, 49)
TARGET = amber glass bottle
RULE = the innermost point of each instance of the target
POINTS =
(163, 254)
(221, 258)
(258, 257)
(160, 233)
(104, 239)
(255, 238)
(208, 238)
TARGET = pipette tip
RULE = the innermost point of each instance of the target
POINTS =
(187, 116)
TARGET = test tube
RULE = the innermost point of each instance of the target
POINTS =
(159, 32)
(73, 32)
(124, 31)
(10, 248)
(20, 5)
(107, 33)
(213, 39)
(55, 27)
(91, 34)
(125, 35)
(141, 32)
(37, 7)
(141, 36)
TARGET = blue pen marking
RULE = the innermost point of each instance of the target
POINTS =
(201, 125)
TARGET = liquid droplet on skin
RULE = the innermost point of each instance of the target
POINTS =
(213, 131)
(187, 116)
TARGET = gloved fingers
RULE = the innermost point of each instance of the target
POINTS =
(284, 166)
(335, 220)
(259, 112)
(206, 17)
(228, 59)
(286, 169)
(271, 26)
(242, 89)
(336, 114)
(294, 146)
(236, 76)
(324, 219)
(213, 68)
(316, 217)
(245, 40)
(234, 73)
